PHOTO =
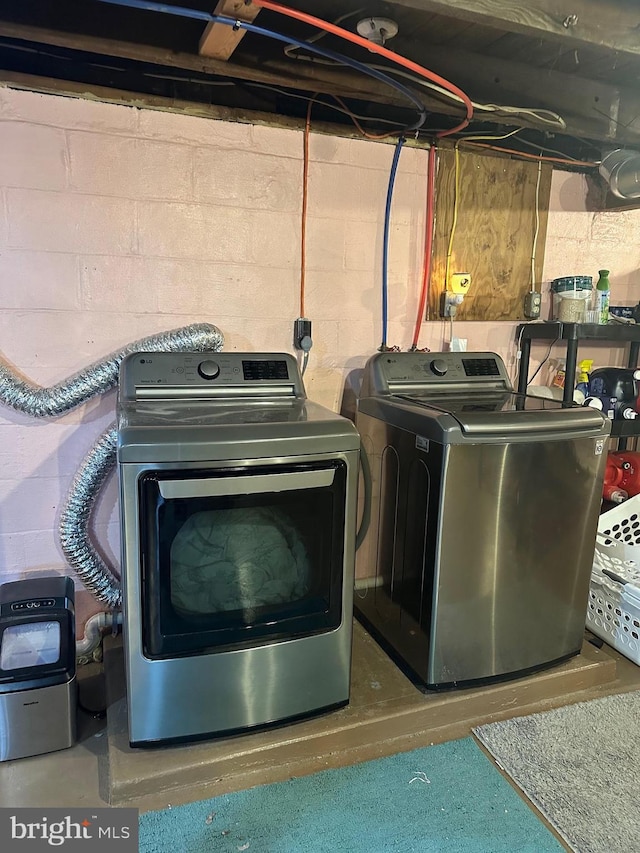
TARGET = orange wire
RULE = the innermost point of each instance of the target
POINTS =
(328, 27)
(566, 162)
(305, 183)
(305, 195)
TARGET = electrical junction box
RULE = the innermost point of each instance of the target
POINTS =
(302, 334)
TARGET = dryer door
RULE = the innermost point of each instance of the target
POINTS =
(233, 557)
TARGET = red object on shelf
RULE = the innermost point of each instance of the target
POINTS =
(622, 475)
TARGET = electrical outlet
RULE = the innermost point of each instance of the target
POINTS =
(532, 302)
(458, 345)
(460, 282)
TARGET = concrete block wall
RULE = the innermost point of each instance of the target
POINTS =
(116, 223)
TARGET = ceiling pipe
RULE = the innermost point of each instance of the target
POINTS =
(620, 167)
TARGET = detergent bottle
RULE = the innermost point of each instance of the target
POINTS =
(617, 389)
(622, 475)
(612, 487)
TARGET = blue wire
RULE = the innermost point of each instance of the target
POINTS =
(180, 11)
(385, 242)
(183, 12)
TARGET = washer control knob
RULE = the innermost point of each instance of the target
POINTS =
(208, 369)
(439, 366)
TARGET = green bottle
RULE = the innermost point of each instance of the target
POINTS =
(603, 289)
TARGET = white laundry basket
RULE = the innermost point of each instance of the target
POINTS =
(614, 605)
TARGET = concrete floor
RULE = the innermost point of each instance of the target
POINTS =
(387, 714)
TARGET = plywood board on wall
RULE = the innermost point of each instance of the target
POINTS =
(494, 235)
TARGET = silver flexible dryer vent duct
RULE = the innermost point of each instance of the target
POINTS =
(45, 402)
(99, 377)
(78, 550)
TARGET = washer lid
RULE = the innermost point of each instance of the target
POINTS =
(486, 413)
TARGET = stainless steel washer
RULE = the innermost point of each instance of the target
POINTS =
(484, 512)
(238, 515)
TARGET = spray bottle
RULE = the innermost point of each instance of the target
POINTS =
(584, 369)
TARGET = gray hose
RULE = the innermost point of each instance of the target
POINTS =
(32, 399)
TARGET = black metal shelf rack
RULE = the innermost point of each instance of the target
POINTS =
(572, 334)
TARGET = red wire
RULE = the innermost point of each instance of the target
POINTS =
(428, 242)
(328, 27)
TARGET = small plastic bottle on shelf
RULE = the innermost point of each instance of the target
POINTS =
(560, 375)
(603, 290)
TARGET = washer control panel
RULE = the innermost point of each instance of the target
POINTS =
(387, 371)
(439, 366)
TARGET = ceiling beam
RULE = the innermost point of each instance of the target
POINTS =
(592, 110)
(610, 24)
(219, 40)
(307, 77)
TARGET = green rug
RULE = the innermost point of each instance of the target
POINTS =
(442, 799)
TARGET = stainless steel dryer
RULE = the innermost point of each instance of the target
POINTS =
(238, 514)
(483, 519)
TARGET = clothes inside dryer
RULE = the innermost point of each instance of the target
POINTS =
(238, 559)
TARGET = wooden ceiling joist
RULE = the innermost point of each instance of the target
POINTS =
(218, 40)
(309, 79)
(603, 112)
(608, 24)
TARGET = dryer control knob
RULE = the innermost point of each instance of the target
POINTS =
(439, 366)
(208, 369)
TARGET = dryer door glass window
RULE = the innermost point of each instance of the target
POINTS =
(236, 557)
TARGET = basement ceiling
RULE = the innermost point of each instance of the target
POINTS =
(577, 58)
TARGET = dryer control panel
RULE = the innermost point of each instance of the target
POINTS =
(166, 375)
